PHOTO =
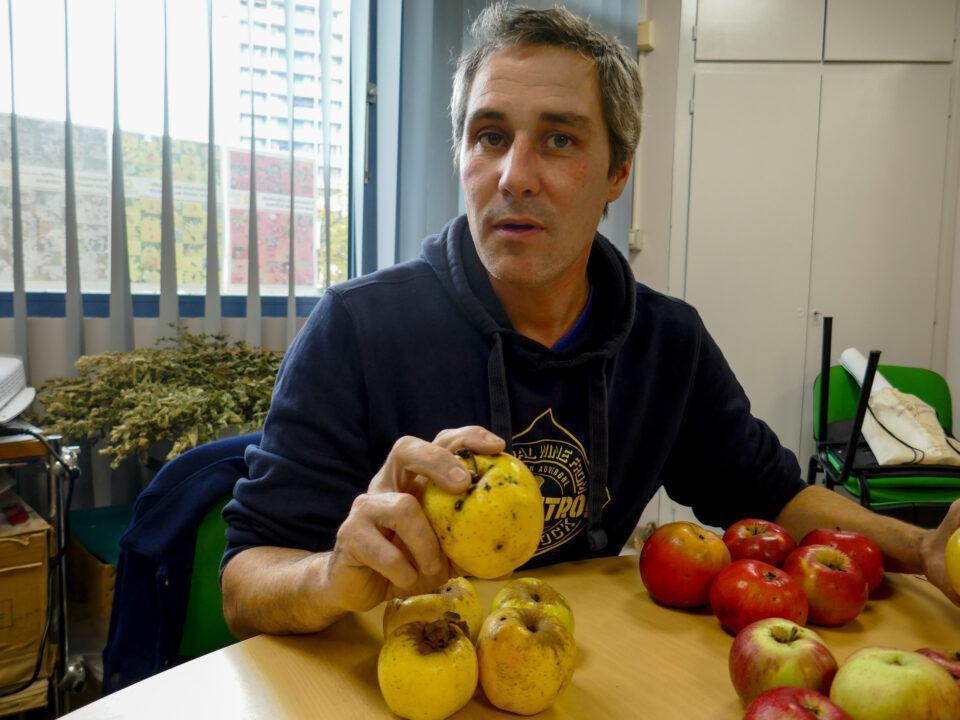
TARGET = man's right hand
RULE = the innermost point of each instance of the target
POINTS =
(386, 547)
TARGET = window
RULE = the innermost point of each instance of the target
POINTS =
(238, 77)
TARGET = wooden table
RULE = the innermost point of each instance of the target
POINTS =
(636, 659)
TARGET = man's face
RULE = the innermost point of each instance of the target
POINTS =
(535, 164)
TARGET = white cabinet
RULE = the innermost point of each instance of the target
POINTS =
(759, 29)
(890, 30)
(876, 240)
(808, 187)
(750, 225)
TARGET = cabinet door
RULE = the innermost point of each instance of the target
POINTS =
(752, 176)
(890, 30)
(883, 142)
(759, 29)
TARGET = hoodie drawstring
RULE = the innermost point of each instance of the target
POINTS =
(596, 535)
(499, 396)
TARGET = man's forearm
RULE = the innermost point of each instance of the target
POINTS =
(276, 590)
(817, 507)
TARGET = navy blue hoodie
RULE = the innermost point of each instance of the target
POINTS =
(641, 397)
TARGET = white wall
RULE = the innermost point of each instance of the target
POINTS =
(654, 163)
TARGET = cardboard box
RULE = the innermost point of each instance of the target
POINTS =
(90, 583)
(25, 551)
(33, 696)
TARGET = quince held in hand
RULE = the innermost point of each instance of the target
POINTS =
(457, 595)
(953, 559)
(526, 659)
(428, 670)
(494, 526)
(528, 591)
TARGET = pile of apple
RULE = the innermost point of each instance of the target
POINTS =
(757, 571)
(437, 647)
(783, 671)
(764, 588)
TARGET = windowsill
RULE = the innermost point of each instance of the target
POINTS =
(53, 304)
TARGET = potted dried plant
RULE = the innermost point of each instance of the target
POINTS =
(190, 389)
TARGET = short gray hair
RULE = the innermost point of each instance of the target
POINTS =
(502, 25)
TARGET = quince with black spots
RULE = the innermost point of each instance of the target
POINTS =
(494, 526)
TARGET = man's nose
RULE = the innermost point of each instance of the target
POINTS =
(520, 169)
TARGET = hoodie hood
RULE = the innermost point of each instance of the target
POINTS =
(453, 257)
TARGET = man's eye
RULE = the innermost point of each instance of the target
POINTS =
(560, 141)
(492, 139)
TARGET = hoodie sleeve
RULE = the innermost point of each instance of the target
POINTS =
(727, 465)
(313, 459)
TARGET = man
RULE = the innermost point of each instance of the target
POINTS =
(520, 328)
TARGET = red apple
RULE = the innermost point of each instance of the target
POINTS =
(861, 549)
(679, 561)
(832, 582)
(949, 660)
(774, 653)
(749, 590)
(758, 540)
(790, 703)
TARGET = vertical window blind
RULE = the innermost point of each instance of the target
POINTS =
(172, 157)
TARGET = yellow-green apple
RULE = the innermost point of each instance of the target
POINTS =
(790, 703)
(886, 684)
(749, 590)
(774, 653)
(526, 659)
(952, 557)
(427, 670)
(494, 526)
(679, 561)
(832, 582)
(949, 660)
(456, 595)
(862, 550)
(753, 539)
(533, 591)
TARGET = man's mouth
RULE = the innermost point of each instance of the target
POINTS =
(518, 226)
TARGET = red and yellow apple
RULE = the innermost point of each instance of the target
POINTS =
(494, 526)
(427, 670)
(791, 703)
(774, 653)
(457, 595)
(753, 539)
(886, 684)
(526, 659)
(679, 561)
(749, 590)
(862, 550)
(527, 591)
(832, 582)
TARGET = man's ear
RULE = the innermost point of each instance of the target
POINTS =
(618, 180)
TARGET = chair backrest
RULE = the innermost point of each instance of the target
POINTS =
(204, 628)
(927, 385)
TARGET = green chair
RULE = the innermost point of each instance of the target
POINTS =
(917, 493)
(167, 606)
(204, 629)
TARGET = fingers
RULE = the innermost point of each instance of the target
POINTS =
(413, 460)
(362, 537)
(472, 437)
